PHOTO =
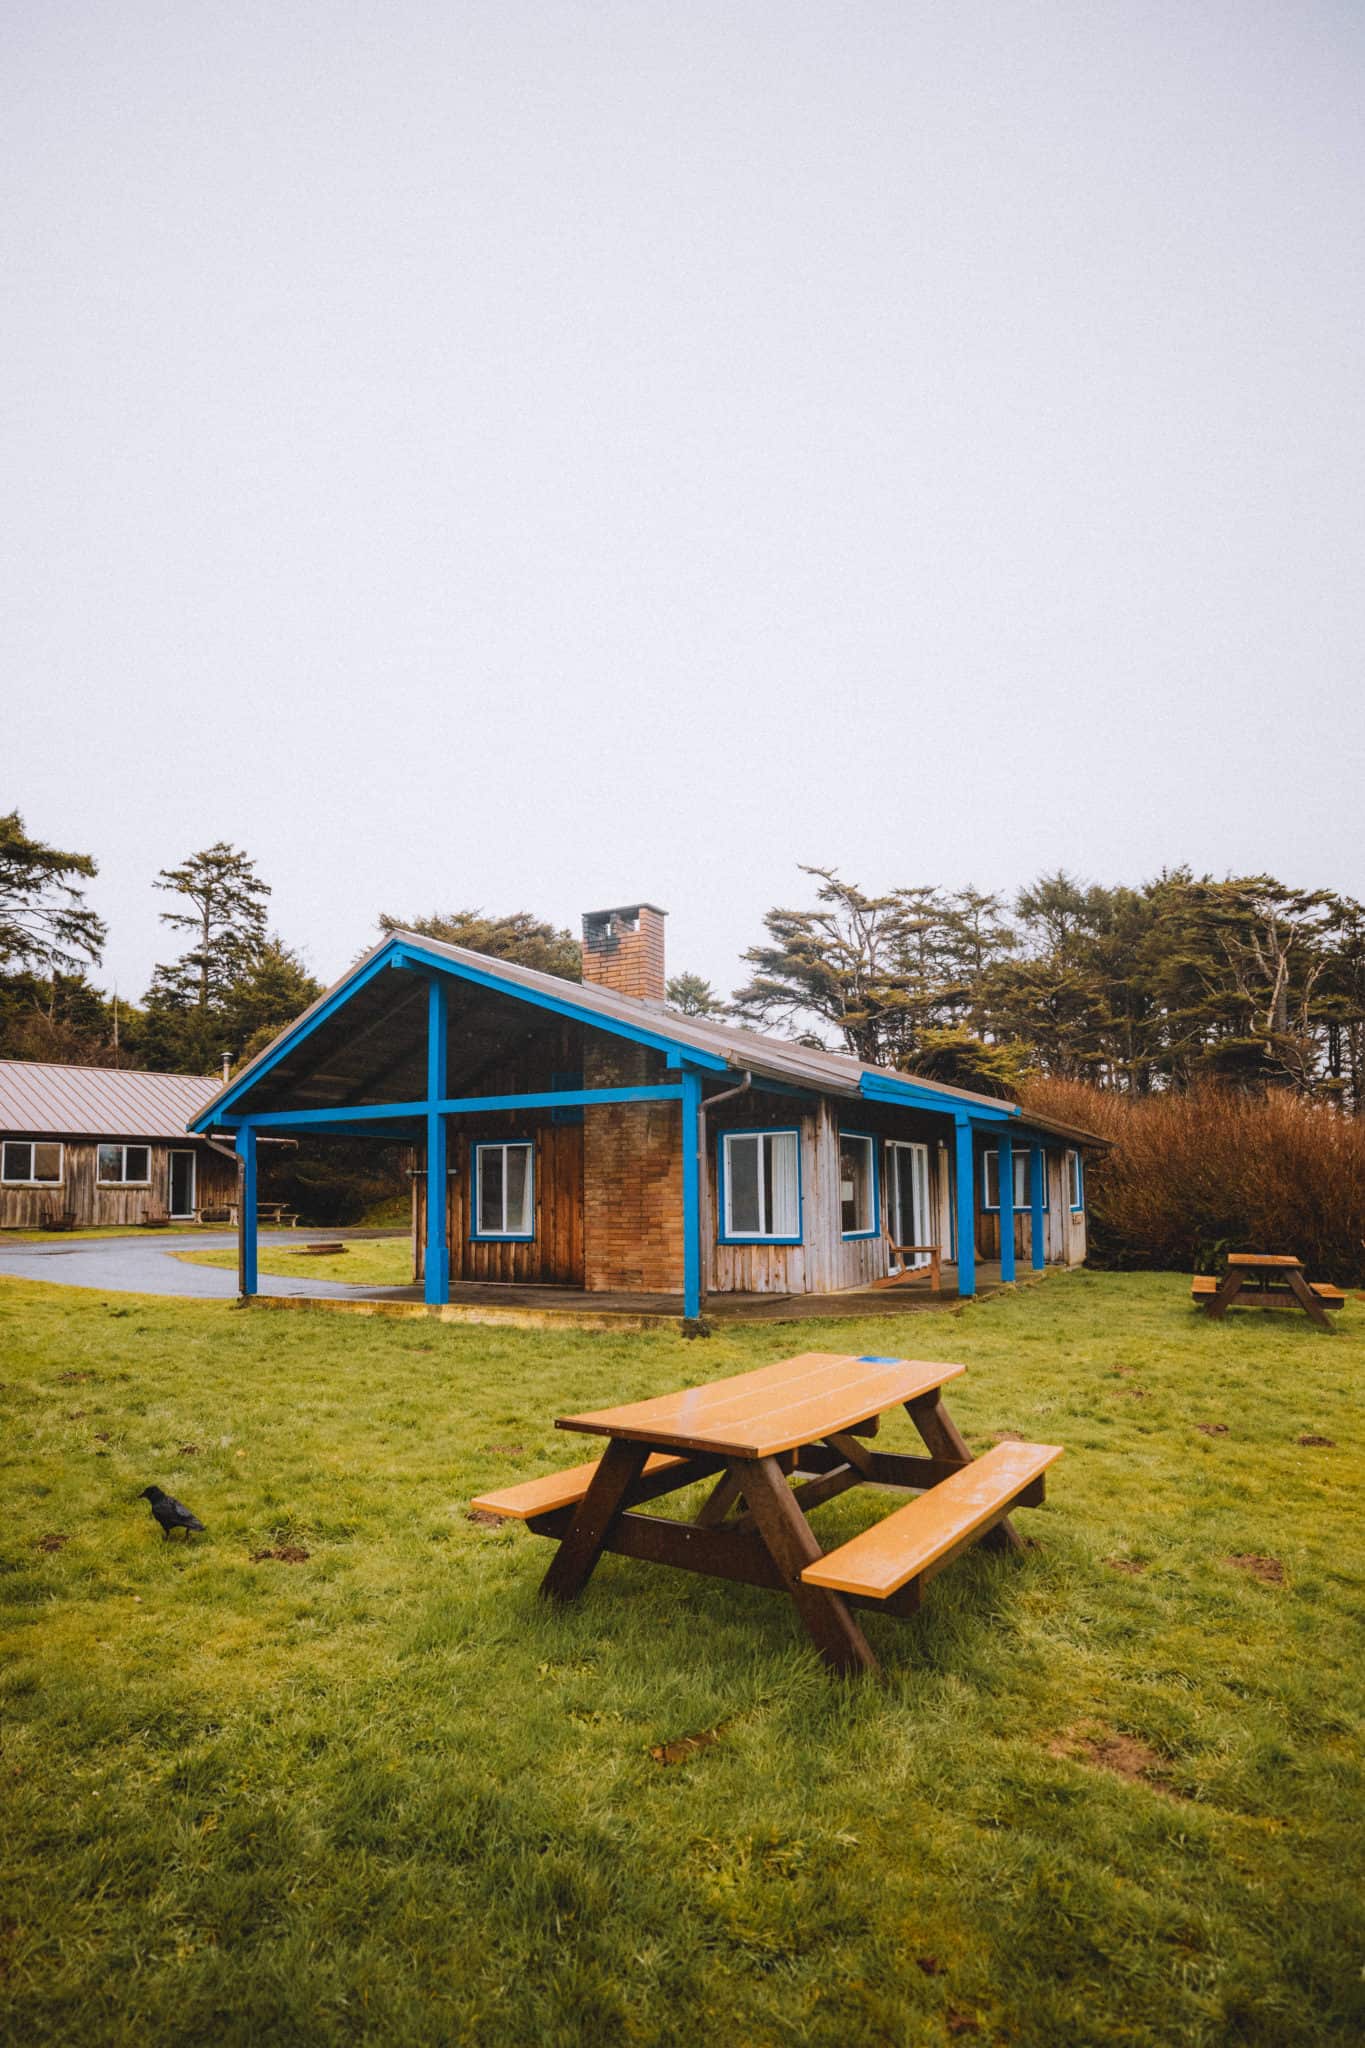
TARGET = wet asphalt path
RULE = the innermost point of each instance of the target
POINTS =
(148, 1265)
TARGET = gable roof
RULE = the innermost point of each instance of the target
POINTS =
(99, 1102)
(728, 1048)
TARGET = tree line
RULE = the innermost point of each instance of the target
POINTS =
(1183, 980)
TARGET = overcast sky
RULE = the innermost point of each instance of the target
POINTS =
(550, 455)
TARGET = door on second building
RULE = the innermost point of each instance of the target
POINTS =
(908, 1217)
(180, 1202)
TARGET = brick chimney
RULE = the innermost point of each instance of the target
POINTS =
(623, 950)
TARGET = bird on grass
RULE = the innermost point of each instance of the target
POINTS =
(170, 1512)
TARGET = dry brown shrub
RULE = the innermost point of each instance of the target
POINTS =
(1194, 1176)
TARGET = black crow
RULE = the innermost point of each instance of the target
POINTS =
(169, 1512)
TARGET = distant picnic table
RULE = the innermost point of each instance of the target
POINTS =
(1265, 1279)
(776, 1443)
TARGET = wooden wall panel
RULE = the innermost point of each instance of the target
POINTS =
(554, 1257)
(22, 1208)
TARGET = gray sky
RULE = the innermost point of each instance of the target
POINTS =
(546, 455)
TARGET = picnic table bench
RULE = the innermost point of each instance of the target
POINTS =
(776, 1443)
(1262, 1279)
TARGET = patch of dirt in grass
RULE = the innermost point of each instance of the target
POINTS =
(188, 1451)
(1268, 1569)
(1128, 1394)
(102, 1436)
(1127, 1756)
(678, 1751)
(930, 1965)
(1212, 1428)
(1007, 1436)
(1124, 1564)
(483, 1520)
(75, 1415)
(505, 1450)
(1326, 1443)
(961, 2022)
(52, 1541)
(69, 1379)
(286, 1553)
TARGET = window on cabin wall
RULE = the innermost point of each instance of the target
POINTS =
(119, 1166)
(990, 1180)
(857, 1185)
(31, 1163)
(504, 1176)
(1075, 1179)
(761, 1186)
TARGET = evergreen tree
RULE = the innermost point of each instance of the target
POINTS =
(186, 1025)
(516, 935)
(45, 923)
(693, 996)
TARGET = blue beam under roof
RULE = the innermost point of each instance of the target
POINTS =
(908, 1095)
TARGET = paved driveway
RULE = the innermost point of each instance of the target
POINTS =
(148, 1265)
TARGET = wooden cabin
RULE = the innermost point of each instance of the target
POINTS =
(591, 1138)
(96, 1145)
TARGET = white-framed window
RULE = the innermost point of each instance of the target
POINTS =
(760, 1184)
(504, 1190)
(1075, 1179)
(31, 1163)
(123, 1166)
(990, 1168)
(857, 1184)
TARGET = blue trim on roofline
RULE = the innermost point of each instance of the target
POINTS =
(915, 1095)
(401, 953)
(407, 955)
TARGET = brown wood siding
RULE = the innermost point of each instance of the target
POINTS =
(554, 1257)
(22, 1208)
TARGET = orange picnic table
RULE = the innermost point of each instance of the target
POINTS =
(776, 1443)
(1265, 1279)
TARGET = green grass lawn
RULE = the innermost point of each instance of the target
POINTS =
(1107, 1792)
(366, 1261)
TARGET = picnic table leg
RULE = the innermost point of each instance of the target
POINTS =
(944, 1439)
(581, 1547)
(719, 1501)
(1229, 1288)
(1307, 1300)
(792, 1545)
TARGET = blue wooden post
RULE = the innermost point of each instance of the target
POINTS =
(246, 1213)
(1004, 1182)
(966, 1209)
(436, 1288)
(691, 1165)
(1037, 1188)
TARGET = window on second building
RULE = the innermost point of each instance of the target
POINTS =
(503, 1191)
(1076, 1179)
(124, 1166)
(31, 1163)
(857, 1185)
(761, 1177)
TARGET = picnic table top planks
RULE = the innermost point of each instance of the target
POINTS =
(777, 1408)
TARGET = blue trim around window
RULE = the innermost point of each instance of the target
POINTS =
(758, 1131)
(477, 1236)
(875, 1230)
(1077, 1182)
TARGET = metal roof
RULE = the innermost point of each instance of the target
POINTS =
(774, 1059)
(99, 1102)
